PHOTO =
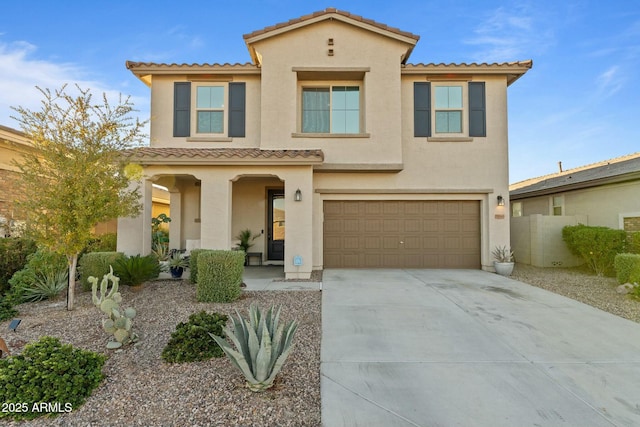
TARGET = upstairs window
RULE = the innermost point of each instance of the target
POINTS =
(333, 109)
(449, 110)
(210, 109)
(448, 106)
(207, 110)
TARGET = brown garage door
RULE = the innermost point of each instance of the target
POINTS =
(402, 234)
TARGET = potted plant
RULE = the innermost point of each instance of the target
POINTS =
(177, 264)
(161, 252)
(504, 260)
(245, 240)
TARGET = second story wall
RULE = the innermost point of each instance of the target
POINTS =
(217, 88)
(330, 57)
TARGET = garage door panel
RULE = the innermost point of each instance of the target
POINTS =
(391, 226)
(402, 234)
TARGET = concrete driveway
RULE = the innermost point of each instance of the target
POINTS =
(471, 348)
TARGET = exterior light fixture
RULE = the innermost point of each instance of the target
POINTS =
(500, 201)
(298, 196)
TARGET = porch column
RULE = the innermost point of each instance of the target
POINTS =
(299, 222)
(215, 211)
(175, 213)
(134, 234)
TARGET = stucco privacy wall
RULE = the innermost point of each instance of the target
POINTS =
(537, 240)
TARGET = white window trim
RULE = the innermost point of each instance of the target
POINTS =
(451, 136)
(513, 207)
(552, 206)
(201, 136)
(309, 84)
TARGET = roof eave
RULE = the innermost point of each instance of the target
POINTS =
(512, 70)
(517, 194)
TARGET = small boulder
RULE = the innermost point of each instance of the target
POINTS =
(625, 289)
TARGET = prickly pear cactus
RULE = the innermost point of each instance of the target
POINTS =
(108, 301)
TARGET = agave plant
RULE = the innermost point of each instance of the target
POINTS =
(47, 285)
(262, 346)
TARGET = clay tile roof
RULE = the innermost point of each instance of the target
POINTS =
(330, 11)
(513, 70)
(160, 154)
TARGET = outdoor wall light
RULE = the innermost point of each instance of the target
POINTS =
(298, 196)
(500, 201)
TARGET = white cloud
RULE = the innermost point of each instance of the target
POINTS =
(610, 81)
(21, 71)
(508, 35)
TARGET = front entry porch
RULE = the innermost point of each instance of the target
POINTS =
(210, 206)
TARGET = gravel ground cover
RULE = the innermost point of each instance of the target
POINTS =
(141, 389)
(580, 285)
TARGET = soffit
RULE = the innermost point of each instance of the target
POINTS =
(513, 70)
(221, 156)
(144, 70)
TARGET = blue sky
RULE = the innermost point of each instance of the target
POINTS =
(579, 104)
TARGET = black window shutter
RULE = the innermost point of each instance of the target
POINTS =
(237, 103)
(421, 109)
(477, 109)
(182, 109)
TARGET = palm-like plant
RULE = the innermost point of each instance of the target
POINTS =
(245, 239)
(262, 346)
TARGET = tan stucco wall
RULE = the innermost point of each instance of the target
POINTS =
(307, 47)
(602, 206)
(12, 145)
(470, 169)
(161, 130)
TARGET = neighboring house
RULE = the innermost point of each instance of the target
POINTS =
(332, 139)
(13, 144)
(601, 194)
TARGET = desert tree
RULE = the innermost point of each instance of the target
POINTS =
(76, 177)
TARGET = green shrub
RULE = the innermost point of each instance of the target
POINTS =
(103, 243)
(193, 264)
(136, 270)
(597, 246)
(13, 258)
(633, 242)
(96, 264)
(6, 309)
(191, 342)
(48, 371)
(219, 275)
(40, 264)
(624, 265)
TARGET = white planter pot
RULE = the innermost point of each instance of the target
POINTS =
(503, 268)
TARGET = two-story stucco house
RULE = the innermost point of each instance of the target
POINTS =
(333, 147)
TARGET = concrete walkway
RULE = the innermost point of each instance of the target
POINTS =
(471, 348)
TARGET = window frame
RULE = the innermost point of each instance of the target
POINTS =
(553, 206)
(306, 84)
(196, 110)
(516, 209)
(464, 110)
